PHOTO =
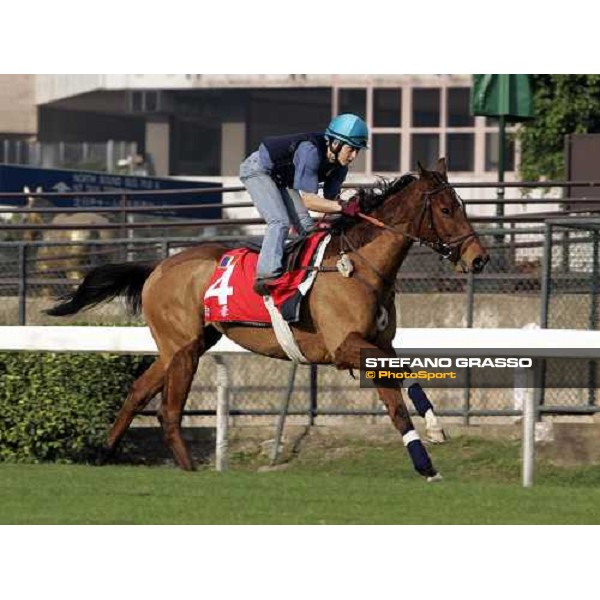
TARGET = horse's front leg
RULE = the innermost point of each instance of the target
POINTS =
(347, 356)
(422, 404)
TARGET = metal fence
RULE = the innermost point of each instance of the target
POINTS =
(512, 292)
(570, 298)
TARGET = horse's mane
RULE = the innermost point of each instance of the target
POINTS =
(371, 198)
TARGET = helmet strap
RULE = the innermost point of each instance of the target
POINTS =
(335, 146)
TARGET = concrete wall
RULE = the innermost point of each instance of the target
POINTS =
(233, 148)
(18, 111)
(49, 88)
(449, 310)
(158, 136)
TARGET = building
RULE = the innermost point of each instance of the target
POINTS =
(18, 114)
(204, 125)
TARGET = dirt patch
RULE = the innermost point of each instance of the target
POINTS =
(573, 444)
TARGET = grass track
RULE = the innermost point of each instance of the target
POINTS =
(345, 484)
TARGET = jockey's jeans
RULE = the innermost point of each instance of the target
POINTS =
(279, 207)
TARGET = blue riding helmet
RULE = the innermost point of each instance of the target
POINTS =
(350, 129)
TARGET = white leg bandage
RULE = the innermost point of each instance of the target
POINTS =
(409, 437)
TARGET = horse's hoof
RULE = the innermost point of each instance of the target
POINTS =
(436, 435)
(435, 478)
(187, 465)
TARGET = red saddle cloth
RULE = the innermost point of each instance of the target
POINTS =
(230, 297)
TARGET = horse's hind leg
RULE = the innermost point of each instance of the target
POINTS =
(422, 404)
(142, 391)
(347, 356)
(178, 380)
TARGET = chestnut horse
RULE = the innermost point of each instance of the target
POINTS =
(339, 316)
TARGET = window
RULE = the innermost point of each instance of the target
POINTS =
(418, 124)
(151, 100)
(425, 148)
(353, 101)
(387, 108)
(460, 150)
(459, 109)
(137, 102)
(386, 152)
(144, 101)
(426, 107)
(491, 153)
(197, 148)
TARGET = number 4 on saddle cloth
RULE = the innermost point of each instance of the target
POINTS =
(231, 299)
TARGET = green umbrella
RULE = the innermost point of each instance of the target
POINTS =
(507, 96)
(510, 99)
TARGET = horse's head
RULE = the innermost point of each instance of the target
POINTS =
(438, 220)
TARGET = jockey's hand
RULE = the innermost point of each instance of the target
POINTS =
(351, 207)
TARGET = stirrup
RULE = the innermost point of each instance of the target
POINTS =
(309, 231)
(261, 285)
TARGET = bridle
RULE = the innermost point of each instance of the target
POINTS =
(447, 249)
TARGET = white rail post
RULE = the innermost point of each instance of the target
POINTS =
(222, 443)
(529, 400)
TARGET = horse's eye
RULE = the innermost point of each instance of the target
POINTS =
(446, 211)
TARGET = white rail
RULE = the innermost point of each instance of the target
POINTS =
(556, 343)
(532, 343)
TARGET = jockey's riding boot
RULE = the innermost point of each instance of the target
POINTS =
(261, 284)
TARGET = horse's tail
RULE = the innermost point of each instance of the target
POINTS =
(105, 283)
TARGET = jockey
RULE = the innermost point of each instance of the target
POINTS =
(283, 178)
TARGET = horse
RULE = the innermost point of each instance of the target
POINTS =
(55, 261)
(338, 318)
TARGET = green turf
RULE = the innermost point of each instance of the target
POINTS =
(349, 483)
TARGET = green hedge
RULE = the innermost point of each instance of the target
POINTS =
(58, 407)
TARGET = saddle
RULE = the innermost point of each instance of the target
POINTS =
(231, 298)
(292, 249)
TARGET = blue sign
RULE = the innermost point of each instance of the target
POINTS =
(16, 178)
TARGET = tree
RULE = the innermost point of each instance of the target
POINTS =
(563, 104)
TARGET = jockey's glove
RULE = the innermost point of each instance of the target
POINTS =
(351, 208)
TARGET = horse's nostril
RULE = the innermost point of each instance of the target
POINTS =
(478, 264)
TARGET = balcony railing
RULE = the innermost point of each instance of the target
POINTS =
(111, 156)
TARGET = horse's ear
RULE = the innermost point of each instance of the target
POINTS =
(441, 167)
(422, 170)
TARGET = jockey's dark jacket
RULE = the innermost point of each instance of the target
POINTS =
(282, 149)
